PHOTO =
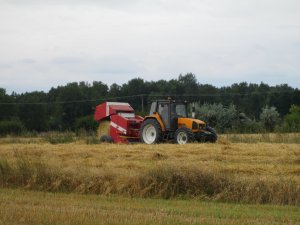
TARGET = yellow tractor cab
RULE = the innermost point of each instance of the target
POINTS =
(168, 120)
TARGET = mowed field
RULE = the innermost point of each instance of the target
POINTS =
(33, 207)
(79, 183)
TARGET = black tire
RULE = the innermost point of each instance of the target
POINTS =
(184, 135)
(106, 139)
(212, 137)
(150, 132)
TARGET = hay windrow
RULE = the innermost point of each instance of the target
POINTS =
(165, 181)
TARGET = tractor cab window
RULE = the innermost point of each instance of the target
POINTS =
(181, 110)
(153, 108)
(163, 110)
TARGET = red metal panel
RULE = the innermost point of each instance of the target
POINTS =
(123, 128)
(100, 112)
(117, 128)
(120, 123)
(134, 126)
(110, 108)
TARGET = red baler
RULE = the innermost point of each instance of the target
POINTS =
(124, 125)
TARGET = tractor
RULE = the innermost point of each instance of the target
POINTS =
(168, 120)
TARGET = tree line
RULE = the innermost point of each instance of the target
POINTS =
(71, 106)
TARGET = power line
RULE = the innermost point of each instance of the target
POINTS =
(218, 94)
(70, 102)
(145, 95)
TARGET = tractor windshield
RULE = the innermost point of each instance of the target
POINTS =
(181, 110)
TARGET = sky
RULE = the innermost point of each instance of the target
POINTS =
(48, 43)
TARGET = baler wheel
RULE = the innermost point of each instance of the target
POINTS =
(106, 139)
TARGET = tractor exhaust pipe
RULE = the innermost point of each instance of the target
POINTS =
(193, 111)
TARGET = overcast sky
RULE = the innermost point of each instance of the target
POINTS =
(52, 42)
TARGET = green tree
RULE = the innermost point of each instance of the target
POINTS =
(293, 118)
(269, 117)
(86, 122)
(7, 108)
(72, 105)
(133, 87)
(114, 90)
(98, 90)
(188, 83)
(32, 111)
(216, 115)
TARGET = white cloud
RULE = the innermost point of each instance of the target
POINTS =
(46, 43)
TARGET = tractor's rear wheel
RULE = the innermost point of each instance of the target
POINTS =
(106, 139)
(150, 132)
(184, 135)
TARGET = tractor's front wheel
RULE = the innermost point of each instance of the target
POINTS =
(208, 135)
(212, 137)
(184, 135)
(150, 132)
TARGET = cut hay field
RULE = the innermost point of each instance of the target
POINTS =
(224, 177)
(19, 207)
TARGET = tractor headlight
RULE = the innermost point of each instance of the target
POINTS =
(202, 126)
